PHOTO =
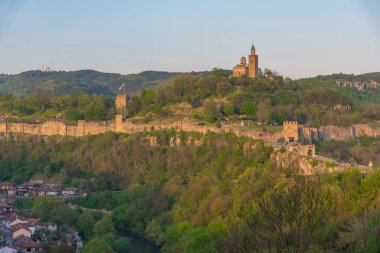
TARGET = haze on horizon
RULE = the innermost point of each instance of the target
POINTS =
(296, 38)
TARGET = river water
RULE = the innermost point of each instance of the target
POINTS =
(141, 245)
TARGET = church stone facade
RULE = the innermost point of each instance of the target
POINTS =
(247, 70)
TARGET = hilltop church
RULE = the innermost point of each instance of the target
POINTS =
(250, 69)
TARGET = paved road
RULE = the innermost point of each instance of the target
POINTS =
(72, 206)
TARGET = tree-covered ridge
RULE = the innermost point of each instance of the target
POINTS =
(72, 82)
(67, 108)
(215, 98)
(263, 100)
(362, 150)
(221, 196)
(359, 98)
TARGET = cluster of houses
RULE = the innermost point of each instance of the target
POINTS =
(39, 188)
(17, 233)
(360, 86)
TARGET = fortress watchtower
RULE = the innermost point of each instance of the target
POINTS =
(121, 104)
(290, 131)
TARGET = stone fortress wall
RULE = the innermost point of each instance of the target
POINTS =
(297, 139)
(57, 128)
(300, 152)
(120, 125)
(292, 131)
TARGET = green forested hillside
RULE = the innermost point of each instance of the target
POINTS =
(218, 197)
(309, 101)
(357, 97)
(214, 98)
(72, 82)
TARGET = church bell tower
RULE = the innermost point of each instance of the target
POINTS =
(253, 63)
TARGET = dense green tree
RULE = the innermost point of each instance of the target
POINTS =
(289, 219)
(134, 105)
(46, 206)
(60, 248)
(263, 112)
(104, 226)
(122, 245)
(85, 225)
(210, 110)
(96, 246)
(221, 195)
(248, 108)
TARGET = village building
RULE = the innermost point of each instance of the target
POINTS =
(27, 246)
(15, 219)
(47, 226)
(70, 191)
(5, 235)
(5, 208)
(16, 232)
(21, 229)
(6, 185)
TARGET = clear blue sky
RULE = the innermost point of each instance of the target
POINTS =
(297, 38)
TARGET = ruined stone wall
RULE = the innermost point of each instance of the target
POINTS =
(34, 129)
(327, 133)
(365, 130)
(305, 165)
(291, 130)
(97, 127)
(58, 128)
(240, 70)
(308, 134)
(73, 131)
(3, 127)
(52, 128)
(307, 150)
(15, 127)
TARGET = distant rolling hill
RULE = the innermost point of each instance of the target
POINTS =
(88, 81)
(374, 75)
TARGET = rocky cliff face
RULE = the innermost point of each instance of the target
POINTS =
(329, 133)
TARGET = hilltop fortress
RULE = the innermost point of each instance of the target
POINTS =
(292, 132)
(251, 69)
(296, 139)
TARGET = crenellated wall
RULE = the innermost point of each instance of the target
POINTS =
(58, 128)
(291, 130)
